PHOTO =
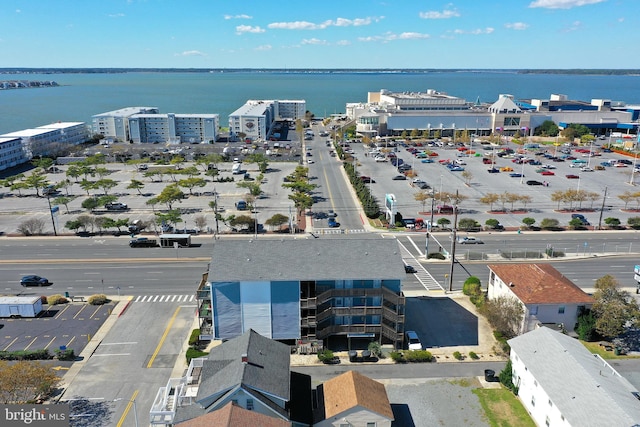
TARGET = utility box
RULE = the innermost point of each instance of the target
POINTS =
(20, 306)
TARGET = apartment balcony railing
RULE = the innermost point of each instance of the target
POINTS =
(308, 303)
(347, 329)
(348, 311)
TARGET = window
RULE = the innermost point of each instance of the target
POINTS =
(533, 401)
(371, 424)
(561, 309)
(534, 310)
(250, 404)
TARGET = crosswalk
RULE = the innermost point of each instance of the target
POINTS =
(339, 230)
(424, 277)
(165, 298)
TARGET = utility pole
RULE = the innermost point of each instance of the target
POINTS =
(453, 242)
(53, 221)
(429, 225)
(215, 211)
(604, 199)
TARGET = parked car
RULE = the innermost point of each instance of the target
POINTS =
(547, 173)
(241, 205)
(332, 223)
(581, 218)
(409, 269)
(572, 176)
(116, 206)
(367, 179)
(533, 182)
(516, 175)
(33, 280)
(413, 342)
(399, 178)
(469, 241)
(493, 170)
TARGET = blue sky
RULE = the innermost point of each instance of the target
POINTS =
(329, 34)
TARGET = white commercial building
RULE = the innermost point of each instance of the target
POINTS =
(12, 153)
(51, 140)
(174, 128)
(115, 124)
(253, 121)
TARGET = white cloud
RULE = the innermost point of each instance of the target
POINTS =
(562, 4)
(314, 41)
(387, 37)
(238, 17)
(191, 53)
(264, 47)
(18, 11)
(445, 14)
(241, 29)
(116, 15)
(343, 42)
(477, 31)
(575, 26)
(339, 22)
(517, 26)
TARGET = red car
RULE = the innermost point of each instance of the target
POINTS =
(547, 172)
(571, 176)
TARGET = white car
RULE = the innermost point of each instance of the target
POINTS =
(548, 167)
(381, 159)
(310, 161)
(586, 169)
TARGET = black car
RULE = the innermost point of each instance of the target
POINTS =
(532, 182)
(409, 269)
(399, 178)
(116, 207)
(33, 280)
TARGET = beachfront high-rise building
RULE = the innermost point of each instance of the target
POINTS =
(253, 121)
(50, 140)
(174, 128)
(115, 124)
(12, 152)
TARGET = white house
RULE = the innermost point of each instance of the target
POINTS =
(545, 294)
(561, 383)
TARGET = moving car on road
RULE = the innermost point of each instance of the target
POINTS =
(469, 241)
(33, 280)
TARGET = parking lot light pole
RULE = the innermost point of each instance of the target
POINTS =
(53, 221)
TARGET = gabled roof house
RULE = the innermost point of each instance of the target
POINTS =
(250, 371)
(231, 415)
(561, 383)
(352, 399)
(546, 295)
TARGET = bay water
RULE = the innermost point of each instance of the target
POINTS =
(80, 96)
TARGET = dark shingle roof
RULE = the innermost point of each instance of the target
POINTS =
(267, 365)
(306, 259)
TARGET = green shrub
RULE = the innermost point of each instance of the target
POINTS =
(25, 355)
(506, 378)
(192, 353)
(325, 355)
(98, 299)
(397, 357)
(436, 255)
(375, 348)
(67, 354)
(457, 355)
(586, 328)
(473, 288)
(194, 338)
(418, 356)
(473, 355)
(56, 299)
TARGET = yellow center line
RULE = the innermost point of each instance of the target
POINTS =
(164, 337)
(127, 409)
(326, 179)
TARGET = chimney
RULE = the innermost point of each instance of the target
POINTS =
(245, 359)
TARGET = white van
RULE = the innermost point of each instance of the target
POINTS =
(413, 342)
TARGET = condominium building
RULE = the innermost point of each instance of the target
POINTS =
(12, 153)
(115, 124)
(254, 120)
(174, 128)
(51, 140)
(304, 290)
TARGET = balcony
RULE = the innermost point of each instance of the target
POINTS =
(347, 329)
(349, 311)
(307, 303)
(308, 322)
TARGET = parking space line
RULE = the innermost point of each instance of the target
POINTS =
(32, 341)
(70, 341)
(10, 344)
(61, 311)
(50, 342)
(95, 312)
(79, 311)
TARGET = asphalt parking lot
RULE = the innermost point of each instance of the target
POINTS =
(70, 325)
(441, 179)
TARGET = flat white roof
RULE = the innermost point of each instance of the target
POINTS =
(18, 300)
(26, 133)
(165, 115)
(128, 111)
(3, 139)
(60, 125)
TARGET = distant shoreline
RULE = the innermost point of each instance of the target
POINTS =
(604, 72)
